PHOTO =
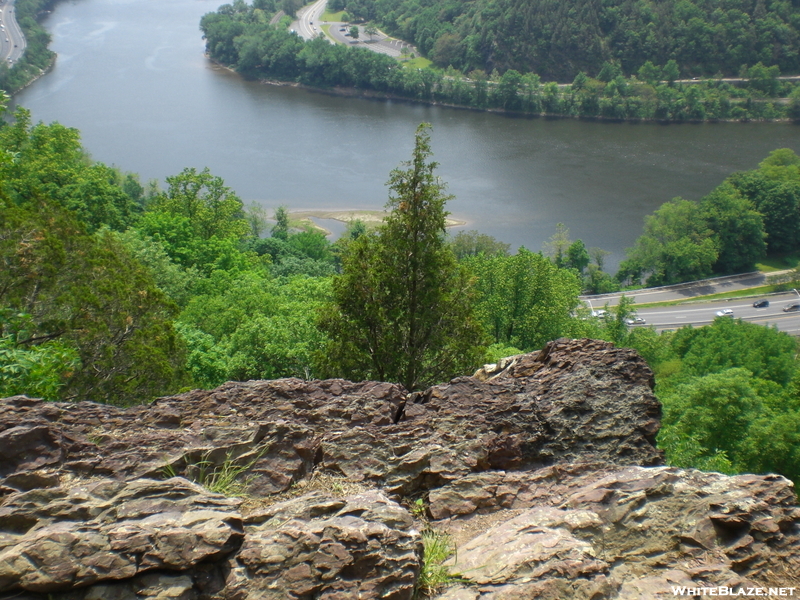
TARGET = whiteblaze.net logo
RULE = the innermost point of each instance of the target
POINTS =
(692, 592)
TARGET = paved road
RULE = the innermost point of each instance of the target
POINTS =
(683, 291)
(703, 313)
(309, 26)
(12, 42)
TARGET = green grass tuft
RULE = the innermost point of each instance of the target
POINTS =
(435, 575)
(225, 479)
(778, 263)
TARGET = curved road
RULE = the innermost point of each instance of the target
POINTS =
(12, 42)
(309, 26)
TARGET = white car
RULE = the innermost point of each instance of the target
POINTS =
(725, 312)
(599, 313)
(635, 321)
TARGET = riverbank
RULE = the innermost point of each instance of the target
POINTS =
(364, 94)
(370, 218)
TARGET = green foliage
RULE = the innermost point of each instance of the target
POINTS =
(49, 162)
(402, 307)
(559, 39)
(676, 245)
(497, 351)
(236, 38)
(473, 243)
(36, 370)
(211, 209)
(739, 235)
(729, 393)
(281, 228)
(249, 327)
(174, 281)
(723, 421)
(90, 294)
(765, 352)
(577, 257)
(778, 202)
(524, 300)
(206, 360)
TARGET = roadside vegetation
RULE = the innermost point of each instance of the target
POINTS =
(37, 58)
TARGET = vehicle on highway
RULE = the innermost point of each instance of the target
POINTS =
(761, 304)
(791, 308)
(599, 313)
(635, 321)
(725, 312)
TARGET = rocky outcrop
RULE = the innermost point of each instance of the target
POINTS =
(68, 536)
(590, 531)
(543, 469)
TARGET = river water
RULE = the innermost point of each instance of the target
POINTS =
(132, 77)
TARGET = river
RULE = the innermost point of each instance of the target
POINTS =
(132, 77)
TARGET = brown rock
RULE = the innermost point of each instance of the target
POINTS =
(316, 546)
(54, 539)
(605, 532)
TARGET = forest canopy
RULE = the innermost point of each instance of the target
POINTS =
(560, 38)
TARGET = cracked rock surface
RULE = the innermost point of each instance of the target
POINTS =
(542, 468)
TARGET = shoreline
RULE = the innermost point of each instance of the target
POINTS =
(371, 218)
(41, 74)
(375, 95)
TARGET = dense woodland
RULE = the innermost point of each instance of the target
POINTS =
(117, 291)
(240, 36)
(560, 38)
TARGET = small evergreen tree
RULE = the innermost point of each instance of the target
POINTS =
(403, 306)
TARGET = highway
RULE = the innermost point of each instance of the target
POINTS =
(684, 291)
(704, 313)
(12, 42)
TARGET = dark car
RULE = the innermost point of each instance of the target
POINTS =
(791, 308)
(761, 304)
